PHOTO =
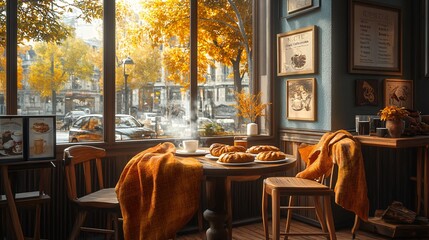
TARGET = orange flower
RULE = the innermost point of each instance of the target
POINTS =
(392, 113)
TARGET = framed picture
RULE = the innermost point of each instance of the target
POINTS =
(375, 39)
(12, 138)
(296, 52)
(398, 92)
(41, 137)
(301, 99)
(366, 92)
(297, 7)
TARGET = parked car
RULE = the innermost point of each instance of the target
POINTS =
(89, 128)
(71, 116)
(150, 115)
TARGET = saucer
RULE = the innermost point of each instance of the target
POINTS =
(199, 152)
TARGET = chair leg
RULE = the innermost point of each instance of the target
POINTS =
(355, 226)
(329, 218)
(265, 212)
(289, 216)
(116, 225)
(37, 222)
(275, 214)
(228, 208)
(319, 213)
(80, 219)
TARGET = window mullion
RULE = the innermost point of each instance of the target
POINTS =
(11, 57)
(194, 64)
(109, 70)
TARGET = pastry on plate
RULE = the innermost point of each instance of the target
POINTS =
(262, 148)
(216, 149)
(236, 157)
(270, 156)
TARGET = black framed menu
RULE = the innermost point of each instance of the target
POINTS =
(375, 39)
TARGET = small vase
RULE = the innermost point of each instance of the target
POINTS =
(395, 127)
(252, 129)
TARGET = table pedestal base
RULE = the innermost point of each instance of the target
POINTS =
(216, 221)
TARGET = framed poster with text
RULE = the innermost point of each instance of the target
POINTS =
(375, 39)
(296, 52)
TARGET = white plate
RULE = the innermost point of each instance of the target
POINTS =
(273, 161)
(196, 153)
(209, 156)
(235, 164)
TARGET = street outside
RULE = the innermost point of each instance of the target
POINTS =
(62, 136)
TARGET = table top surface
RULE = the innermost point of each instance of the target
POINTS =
(213, 169)
(403, 142)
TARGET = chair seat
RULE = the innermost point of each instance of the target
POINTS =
(298, 186)
(104, 198)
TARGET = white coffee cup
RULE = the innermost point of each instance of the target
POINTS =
(189, 146)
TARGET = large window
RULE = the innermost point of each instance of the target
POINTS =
(172, 86)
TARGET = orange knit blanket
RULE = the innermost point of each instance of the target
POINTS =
(339, 147)
(158, 193)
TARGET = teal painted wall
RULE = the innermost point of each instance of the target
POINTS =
(336, 106)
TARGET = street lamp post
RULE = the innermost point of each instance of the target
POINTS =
(125, 62)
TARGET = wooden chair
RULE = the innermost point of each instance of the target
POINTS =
(292, 187)
(103, 199)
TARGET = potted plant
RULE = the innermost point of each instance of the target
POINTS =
(394, 117)
(249, 107)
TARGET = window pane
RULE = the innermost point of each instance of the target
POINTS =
(60, 62)
(152, 74)
(264, 64)
(225, 45)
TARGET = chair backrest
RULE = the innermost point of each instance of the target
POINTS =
(82, 155)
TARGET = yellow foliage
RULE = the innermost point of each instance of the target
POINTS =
(392, 113)
(249, 106)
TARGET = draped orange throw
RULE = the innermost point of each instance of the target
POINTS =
(350, 188)
(158, 193)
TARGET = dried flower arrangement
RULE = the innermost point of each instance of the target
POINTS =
(393, 113)
(249, 106)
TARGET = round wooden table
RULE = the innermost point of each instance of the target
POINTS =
(216, 176)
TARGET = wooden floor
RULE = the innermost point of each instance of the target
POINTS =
(255, 232)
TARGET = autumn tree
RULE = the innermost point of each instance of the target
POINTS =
(224, 34)
(56, 65)
(167, 25)
(42, 20)
(21, 51)
(129, 43)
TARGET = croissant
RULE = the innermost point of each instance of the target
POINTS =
(216, 149)
(262, 148)
(270, 156)
(236, 157)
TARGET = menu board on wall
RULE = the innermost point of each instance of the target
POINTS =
(375, 39)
